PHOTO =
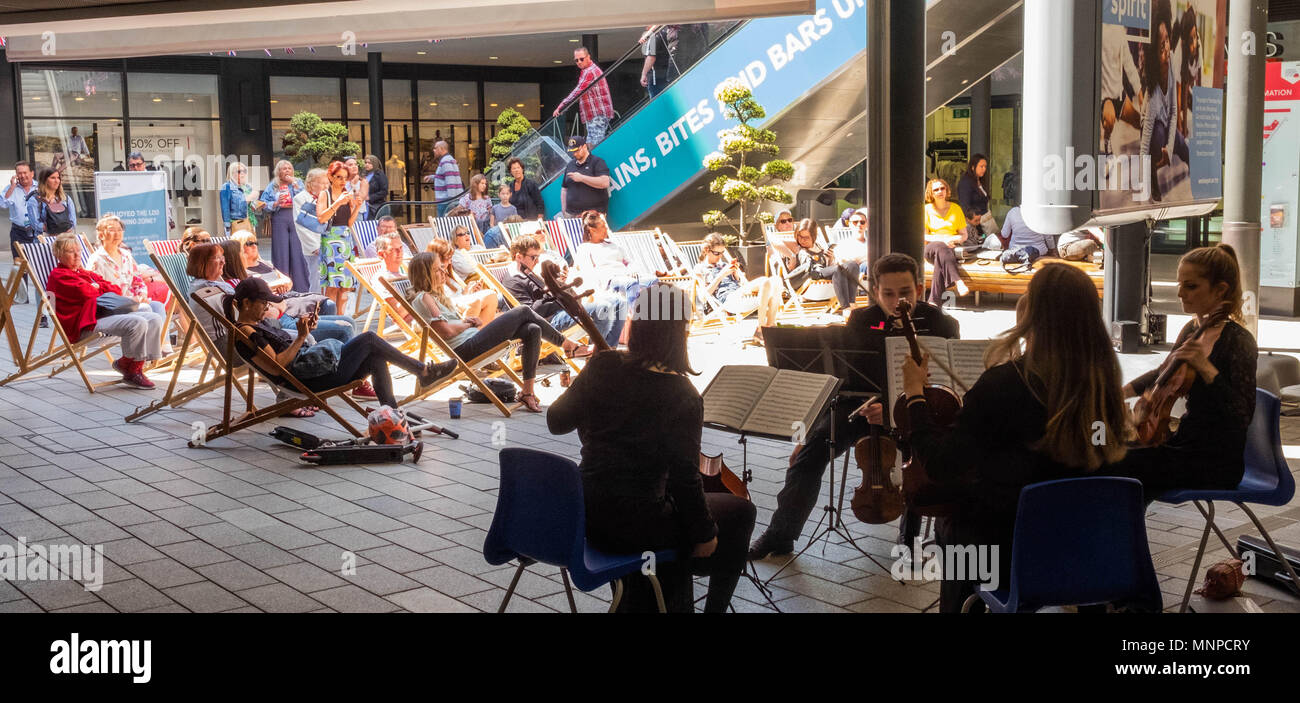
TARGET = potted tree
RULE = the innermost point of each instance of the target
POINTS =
(312, 142)
(743, 182)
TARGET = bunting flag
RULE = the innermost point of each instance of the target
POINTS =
(289, 51)
(231, 53)
(3, 42)
(268, 51)
(312, 49)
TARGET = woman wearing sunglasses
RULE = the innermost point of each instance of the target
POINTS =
(945, 229)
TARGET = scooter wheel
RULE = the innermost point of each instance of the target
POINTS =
(417, 452)
(311, 457)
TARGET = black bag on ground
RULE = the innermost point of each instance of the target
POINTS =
(505, 391)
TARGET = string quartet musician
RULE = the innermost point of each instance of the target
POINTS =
(1029, 418)
(640, 460)
(894, 278)
(1208, 447)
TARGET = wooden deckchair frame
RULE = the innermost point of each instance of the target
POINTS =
(486, 273)
(295, 394)
(380, 306)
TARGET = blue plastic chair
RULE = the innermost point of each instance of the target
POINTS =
(540, 517)
(1078, 541)
(1266, 481)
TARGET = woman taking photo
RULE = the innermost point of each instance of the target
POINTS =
(366, 356)
(50, 210)
(525, 195)
(237, 198)
(945, 229)
(1207, 450)
(286, 249)
(1050, 379)
(478, 202)
(337, 208)
(641, 460)
(469, 337)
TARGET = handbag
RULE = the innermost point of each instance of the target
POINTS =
(110, 304)
(317, 360)
(504, 390)
(241, 225)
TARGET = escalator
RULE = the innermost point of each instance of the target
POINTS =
(808, 71)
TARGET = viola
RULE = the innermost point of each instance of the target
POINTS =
(572, 302)
(717, 478)
(1152, 414)
(878, 500)
(926, 497)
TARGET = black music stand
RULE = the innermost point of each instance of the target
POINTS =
(821, 350)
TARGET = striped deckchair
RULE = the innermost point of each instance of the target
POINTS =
(444, 226)
(364, 234)
(418, 237)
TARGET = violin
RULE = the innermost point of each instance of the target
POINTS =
(717, 478)
(926, 497)
(1151, 415)
(878, 500)
(572, 302)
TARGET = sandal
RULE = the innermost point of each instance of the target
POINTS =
(582, 351)
(300, 412)
(530, 402)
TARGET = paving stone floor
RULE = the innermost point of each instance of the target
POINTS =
(242, 525)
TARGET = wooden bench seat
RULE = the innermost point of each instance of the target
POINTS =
(990, 277)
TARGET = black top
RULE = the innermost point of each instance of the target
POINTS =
(974, 202)
(580, 196)
(341, 215)
(987, 453)
(640, 433)
(263, 334)
(1217, 413)
(531, 291)
(527, 200)
(378, 191)
(865, 333)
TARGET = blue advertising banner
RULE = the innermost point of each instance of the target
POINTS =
(664, 144)
(1207, 142)
(139, 198)
(1128, 13)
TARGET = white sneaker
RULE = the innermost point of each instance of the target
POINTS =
(962, 288)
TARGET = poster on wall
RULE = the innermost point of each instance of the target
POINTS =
(1281, 179)
(1161, 103)
(139, 198)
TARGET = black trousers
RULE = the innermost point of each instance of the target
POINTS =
(632, 525)
(1165, 468)
(367, 355)
(518, 323)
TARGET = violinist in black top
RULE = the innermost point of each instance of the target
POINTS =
(640, 418)
(1207, 450)
(1045, 398)
(894, 277)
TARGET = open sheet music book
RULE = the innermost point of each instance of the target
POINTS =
(762, 400)
(964, 356)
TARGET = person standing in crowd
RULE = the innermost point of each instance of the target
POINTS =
(50, 211)
(76, 291)
(358, 185)
(641, 461)
(945, 229)
(524, 194)
(973, 194)
(308, 227)
(135, 162)
(500, 213)
(377, 185)
(596, 107)
(286, 248)
(21, 185)
(237, 198)
(586, 181)
(337, 208)
(654, 48)
(445, 177)
(478, 202)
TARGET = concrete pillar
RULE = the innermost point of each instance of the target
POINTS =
(1243, 144)
(981, 103)
(905, 167)
(877, 180)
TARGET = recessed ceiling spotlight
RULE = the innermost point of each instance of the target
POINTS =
(421, 53)
(494, 58)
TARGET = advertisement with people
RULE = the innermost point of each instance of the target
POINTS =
(139, 198)
(1161, 104)
(1281, 181)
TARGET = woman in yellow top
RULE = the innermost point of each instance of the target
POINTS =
(945, 228)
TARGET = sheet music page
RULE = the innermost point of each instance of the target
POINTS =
(792, 397)
(966, 356)
(734, 392)
(897, 348)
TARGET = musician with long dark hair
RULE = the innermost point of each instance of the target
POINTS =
(1207, 450)
(639, 418)
(1030, 417)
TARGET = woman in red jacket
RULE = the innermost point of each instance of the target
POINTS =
(76, 291)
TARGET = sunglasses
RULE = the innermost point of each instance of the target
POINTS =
(857, 222)
(250, 245)
(784, 222)
(717, 252)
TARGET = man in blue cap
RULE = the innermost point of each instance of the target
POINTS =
(586, 181)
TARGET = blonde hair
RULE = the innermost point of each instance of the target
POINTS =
(474, 193)
(65, 241)
(929, 196)
(276, 171)
(712, 239)
(234, 167)
(1070, 366)
(243, 236)
(420, 273)
(385, 242)
(102, 224)
(1218, 264)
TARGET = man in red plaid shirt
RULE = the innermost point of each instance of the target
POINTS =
(595, 105)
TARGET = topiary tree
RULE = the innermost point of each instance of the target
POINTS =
(312, 139)
(739, 148)
(513, 127)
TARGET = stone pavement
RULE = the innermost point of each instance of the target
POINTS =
(242, 525)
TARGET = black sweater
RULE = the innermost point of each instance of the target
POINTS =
(864, 339)
(974, 201)
(640, 433)
(528, 200)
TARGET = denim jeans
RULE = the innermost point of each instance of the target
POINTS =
(609, 312)
(494, 238)
(338, 327)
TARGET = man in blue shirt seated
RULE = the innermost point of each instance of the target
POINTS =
(1022, 244)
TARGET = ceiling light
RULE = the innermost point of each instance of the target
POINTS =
(929, 78)
(494, 58)
(36, 97)
(157, 100)
(964, 81)
(79, 99)
(274, 102)
(574, 41)
(433, 104)
(557, 61)
(189, 100)
(356, 102)
(519, 104)
(421, 53)
(492, 105)
(464, 104)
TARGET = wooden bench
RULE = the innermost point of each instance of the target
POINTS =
(989, 276)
